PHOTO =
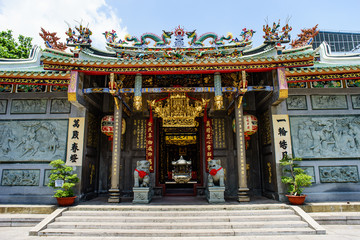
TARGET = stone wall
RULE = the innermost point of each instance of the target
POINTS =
(325, 133)
(33, 132)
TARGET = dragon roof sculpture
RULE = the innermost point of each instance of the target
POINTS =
(306, 37)
(134, 47)
(81, 38)
(274, 34)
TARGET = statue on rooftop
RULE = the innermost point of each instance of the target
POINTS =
(51, 40)
(306, 37)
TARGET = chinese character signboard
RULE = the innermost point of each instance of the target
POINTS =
(75, 141)
(219, 133)
(150, 144)
(139, 133)
(282, 140)
(209, 155)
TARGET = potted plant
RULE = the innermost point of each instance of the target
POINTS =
(295, 178)
(62, 180)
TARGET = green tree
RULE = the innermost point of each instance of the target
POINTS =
(10, 48)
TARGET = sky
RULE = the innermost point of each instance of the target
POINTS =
(132, 17)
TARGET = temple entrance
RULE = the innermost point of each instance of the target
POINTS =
(179, 161)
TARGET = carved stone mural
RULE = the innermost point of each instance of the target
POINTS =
(296, 103)
(47, 174)
(325, 136)
(20, 177)
(355, 101)
(3, 105)
(329, 102)
(339, 174)
(33, 140)
(60, 106)
(309, 171)
(28, 106)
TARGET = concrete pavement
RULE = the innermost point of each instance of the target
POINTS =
(334, 232)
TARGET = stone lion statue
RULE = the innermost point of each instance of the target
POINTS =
(216, 174)
(141, 174)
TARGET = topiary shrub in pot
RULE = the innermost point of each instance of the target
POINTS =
(295, 178)
(63, 180)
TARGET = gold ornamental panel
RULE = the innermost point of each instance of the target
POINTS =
(177, 111)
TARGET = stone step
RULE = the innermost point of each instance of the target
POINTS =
(169, 218)
(179, 221)
(177, 207)
(183, 225)
(339, 218)
(20, 220)
(181, 213)
(175, 233)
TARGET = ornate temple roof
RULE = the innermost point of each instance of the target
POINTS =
(207, 53)
(30, 71)
(327, 67)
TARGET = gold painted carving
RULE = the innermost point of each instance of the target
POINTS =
(269, 170)
(180, 140)
(72, 96)
(177, 111)
(137, 103)
(112, 86)
(242, 87)
(218, 102)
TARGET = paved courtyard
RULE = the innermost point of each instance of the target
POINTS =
(334, 232)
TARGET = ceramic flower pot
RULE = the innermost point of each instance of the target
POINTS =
(66, 201)
(296, 200)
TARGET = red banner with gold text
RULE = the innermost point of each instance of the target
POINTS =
(209, 153)
(150, 143)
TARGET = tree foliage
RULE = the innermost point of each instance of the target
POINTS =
(10, 48)
(296, 178)
(62, 172)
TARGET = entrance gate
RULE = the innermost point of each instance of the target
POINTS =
(175, 143)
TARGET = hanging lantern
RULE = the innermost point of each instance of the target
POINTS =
(107, 126)
(250, 128)
(250, 124)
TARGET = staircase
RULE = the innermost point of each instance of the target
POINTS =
(180, 221)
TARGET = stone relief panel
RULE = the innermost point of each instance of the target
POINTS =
(309, 171)
(325, 136)
(33, 140)
(28, 106)
(339, 174)
(60, 106)
(296, 103)
(329, 102)
(355, 99)
(47, 174)
(20, 177)
(3, 106)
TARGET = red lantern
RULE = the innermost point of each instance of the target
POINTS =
(107, 126)
(250, 125)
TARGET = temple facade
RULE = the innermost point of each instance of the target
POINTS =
(179, 101)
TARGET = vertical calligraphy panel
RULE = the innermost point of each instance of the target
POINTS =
(150, 144)
(219, 133)
(75, 143)
(282, 140)
(139, 133)
(209, 153)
